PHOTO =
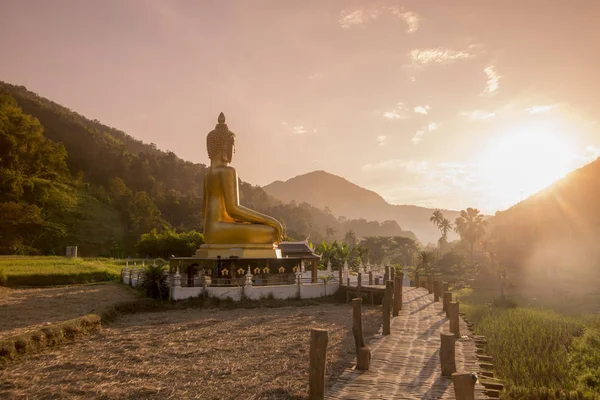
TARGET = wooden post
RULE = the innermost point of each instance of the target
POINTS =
(377, 280)
(359, 282)
(453, 315)
(445, 287)
(447, 354)
(387, 302)
(437, 285)
(386, 275)
(363, 354)
(430, 283)
(464, 385)
(447, 299)
(341, 274)
(314, 274)
(316, 371)
(392, 274)
(370, 278)
(397, 295)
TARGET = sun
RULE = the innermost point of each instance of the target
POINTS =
(523, 161)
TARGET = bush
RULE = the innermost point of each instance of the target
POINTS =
(169, 242)
(3, 278)
(155, 280)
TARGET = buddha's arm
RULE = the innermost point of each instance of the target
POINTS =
(237, 211)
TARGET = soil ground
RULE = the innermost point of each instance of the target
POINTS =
(23, 310)
(259, 353)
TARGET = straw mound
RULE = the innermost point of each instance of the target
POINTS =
(207, 354)
(26, 310)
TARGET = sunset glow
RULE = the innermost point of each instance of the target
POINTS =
(521, 162)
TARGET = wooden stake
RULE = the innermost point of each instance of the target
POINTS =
(397, 295)
(370, 278)
(437, 286)
(464, 385)
(447, 299)
(359, 339)
(387, 303)
(447, 354)
(318, 356)
(453, 307)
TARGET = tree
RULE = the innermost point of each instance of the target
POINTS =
(424, 264)
(350, 238)
(470, 226)
(436, 217)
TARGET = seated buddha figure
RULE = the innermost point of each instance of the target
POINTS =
(226, 222)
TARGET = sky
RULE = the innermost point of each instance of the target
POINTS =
(447, 104)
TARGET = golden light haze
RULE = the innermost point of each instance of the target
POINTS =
(441, 104)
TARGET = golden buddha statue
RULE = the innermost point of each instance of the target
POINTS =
(231, 229)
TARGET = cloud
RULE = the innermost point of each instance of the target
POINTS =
(382, 140)
(316, 76)
(491, 86)
(400, 112)
(540, 109)
(477, 115)
(432, 126)
(410, 18)
(424, 57)
(421, 109)
(352, 18)
(418, 136)
(298, 130)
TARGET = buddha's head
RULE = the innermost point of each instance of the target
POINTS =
(220, 142)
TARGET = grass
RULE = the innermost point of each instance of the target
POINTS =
(49, 271)
(541, 351)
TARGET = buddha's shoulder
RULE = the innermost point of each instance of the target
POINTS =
(223, 170)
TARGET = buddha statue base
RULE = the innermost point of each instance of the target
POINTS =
(215, 251)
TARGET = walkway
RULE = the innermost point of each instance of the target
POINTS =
(406, 364)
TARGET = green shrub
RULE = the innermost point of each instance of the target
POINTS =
(3, 278)
(154, 281)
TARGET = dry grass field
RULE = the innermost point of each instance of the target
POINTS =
(24, 310)
(259, 353)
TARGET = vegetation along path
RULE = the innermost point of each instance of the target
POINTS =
(406, 364)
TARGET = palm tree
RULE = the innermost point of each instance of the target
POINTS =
(444, 226)
(437, 217)
(470, 226)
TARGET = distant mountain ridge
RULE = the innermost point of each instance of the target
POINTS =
(344, 198)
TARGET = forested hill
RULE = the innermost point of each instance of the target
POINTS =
(68, 180)
(555, 229)
(323, 189)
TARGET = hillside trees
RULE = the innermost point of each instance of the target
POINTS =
(81, 173)
(28, 165)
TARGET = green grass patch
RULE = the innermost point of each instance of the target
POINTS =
(49, 271)
(541, 354)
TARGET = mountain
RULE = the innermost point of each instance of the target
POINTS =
(554, 230)
(344, 198)
(68, 180)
